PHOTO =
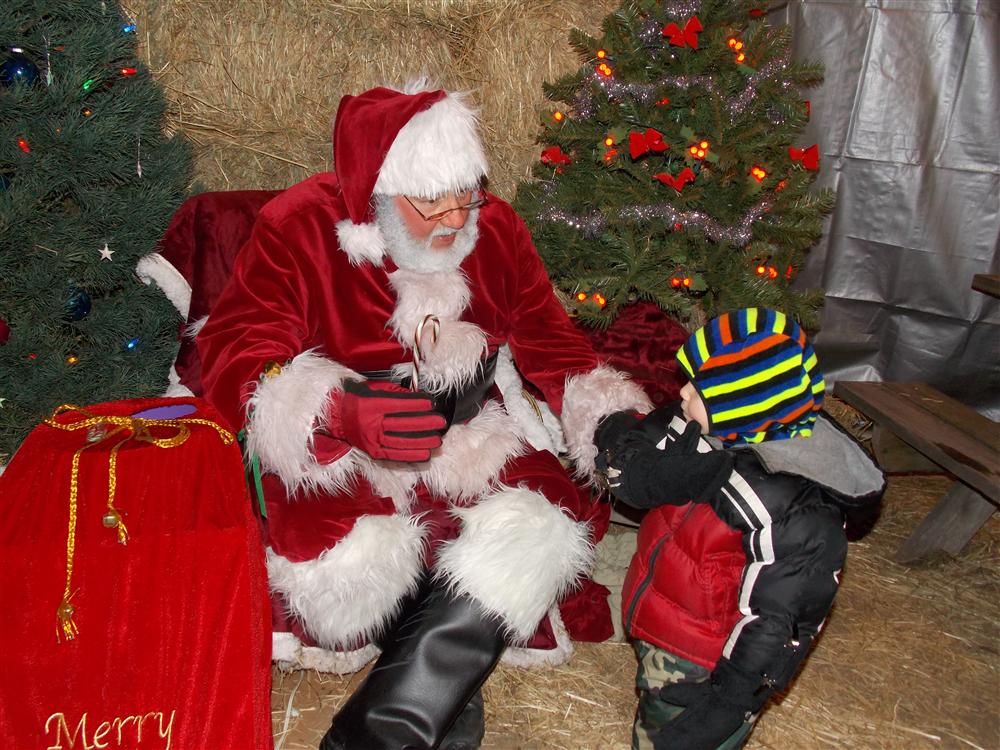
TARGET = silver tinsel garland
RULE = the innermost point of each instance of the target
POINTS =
(644, 93)
(682, 8)
(591, 224)
(651, 33)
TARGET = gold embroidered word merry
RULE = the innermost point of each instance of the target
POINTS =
(119, 731)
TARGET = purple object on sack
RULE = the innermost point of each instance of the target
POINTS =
(167, 412)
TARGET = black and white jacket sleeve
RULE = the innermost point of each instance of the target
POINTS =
(789, 500)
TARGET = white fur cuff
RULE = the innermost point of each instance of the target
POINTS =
(348, 594)
(587, 398)
(283, 414)
(473, 454)
(522, 656)
(517, 555)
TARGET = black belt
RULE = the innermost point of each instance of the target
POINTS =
(455, 407)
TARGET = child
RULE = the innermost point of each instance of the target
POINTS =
(739, 559)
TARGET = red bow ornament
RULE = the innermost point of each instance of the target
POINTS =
(683, 177)
(686, 37)
(643, 143)
(808, 156)
(555, 155)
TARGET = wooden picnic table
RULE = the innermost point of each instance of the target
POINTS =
(987, 284)
(955, 438)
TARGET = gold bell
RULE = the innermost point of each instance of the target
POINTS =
(111, 519)
(96, 433)
(65, 611)
(271, 369)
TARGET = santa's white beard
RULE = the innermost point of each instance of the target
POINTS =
(420, 255)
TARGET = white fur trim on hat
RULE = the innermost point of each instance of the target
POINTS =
(587, 398)
(437, 152)
(517, 555)
(283, 413)
(363, 243)
(348, 594)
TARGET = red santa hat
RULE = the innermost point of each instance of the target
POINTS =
(388, 142)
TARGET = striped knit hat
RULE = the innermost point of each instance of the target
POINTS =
(756, 374)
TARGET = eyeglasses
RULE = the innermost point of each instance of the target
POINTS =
(438, 215)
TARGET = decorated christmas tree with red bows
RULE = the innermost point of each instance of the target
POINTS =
(88, 183)
(672, 167)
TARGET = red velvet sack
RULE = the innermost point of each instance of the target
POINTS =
(169, 641)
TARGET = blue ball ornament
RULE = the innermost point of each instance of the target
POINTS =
(17, 67)
(78, 305)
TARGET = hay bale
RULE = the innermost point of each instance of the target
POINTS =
(256, 85)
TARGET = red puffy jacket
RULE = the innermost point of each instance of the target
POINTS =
(749, 574)
(681, 589)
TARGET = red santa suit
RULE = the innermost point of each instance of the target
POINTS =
(316, 291)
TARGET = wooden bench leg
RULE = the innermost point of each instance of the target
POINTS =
(950, 525)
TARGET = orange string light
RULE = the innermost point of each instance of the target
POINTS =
(699, 149)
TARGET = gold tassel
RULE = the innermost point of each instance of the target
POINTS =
(65, 617)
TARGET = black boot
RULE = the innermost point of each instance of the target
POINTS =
(469, 728)
(432, 665)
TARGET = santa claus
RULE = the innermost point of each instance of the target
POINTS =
(371, 323)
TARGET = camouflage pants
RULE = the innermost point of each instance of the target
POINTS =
(656, 669)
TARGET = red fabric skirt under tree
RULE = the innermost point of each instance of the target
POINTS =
(165, 642)
(643, 341)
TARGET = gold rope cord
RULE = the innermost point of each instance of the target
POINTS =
(137, 429)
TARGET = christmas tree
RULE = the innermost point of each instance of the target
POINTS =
(88, 183)
(671, 168)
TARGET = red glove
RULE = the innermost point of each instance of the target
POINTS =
(385, 420)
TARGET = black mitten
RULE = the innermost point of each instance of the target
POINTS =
(610, 435)
(643, 476)
(612, 428)
(713, 709)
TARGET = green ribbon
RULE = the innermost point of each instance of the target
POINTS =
(252, 471)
